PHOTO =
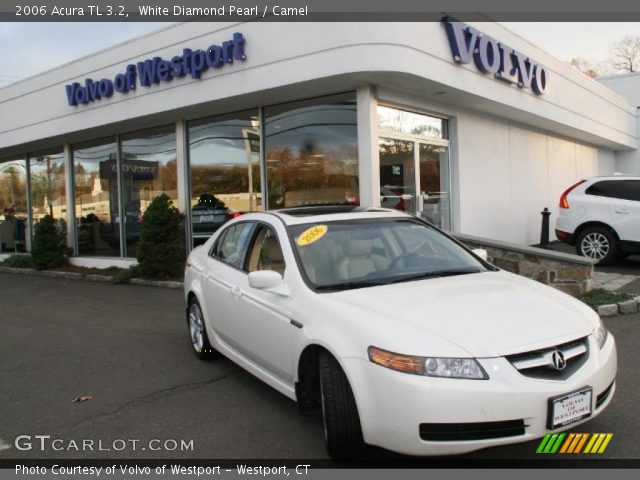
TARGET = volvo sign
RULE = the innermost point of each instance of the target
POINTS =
(494, 58)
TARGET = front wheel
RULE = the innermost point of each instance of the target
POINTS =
(342, 429)
(597, 243)
(198, 333)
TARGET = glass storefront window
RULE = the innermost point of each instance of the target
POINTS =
(224, 165)
(434, 184)
(312, 152)
(409, 123)
(149, 169)
(414, 164)
(48, 190)
(96, 197)
(13, 205)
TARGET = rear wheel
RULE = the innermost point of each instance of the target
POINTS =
(198, 333)
(342, 430)
(597, 243)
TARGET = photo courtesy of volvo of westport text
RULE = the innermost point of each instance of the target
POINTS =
(115, 471)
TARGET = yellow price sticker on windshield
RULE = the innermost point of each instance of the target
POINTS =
(312, 234)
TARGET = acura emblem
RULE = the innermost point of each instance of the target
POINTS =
(559, 362)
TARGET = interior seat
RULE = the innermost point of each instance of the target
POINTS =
(271, 256)
(359, 260)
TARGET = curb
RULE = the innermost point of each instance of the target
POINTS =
(622, 308)
(90, 277)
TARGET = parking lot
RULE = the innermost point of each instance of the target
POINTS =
(127, 348)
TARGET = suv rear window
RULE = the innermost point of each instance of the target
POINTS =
(622, 189)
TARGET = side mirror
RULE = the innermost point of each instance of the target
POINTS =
(264, 279)
(482, 253)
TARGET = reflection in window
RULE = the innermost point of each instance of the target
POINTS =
(434, 184)
(149, 169)
(96, 198)
(312, 152)
(401, 121)
(48, 191)
(224, 159)
(13, 205)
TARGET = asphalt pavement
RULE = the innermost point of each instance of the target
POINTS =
(125, 349)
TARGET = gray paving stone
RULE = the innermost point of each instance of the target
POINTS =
(628, 306)
(608, 310)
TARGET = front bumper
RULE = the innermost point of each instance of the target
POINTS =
(393, 405)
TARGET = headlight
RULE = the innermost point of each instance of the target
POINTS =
(430, 366)
(600, 334)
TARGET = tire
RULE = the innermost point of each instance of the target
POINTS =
(198, 333)
(598, 243)
(342, 430)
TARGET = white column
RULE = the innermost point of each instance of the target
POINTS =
(368, 154)
(70, 198)
(181, 158)
(184, 198)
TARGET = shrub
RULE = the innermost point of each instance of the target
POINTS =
(125, 275)
(49, 249)
(161, 252)
(18, 261)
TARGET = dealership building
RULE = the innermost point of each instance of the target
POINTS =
(470, 126)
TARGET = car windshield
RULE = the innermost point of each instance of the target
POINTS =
(357, 253)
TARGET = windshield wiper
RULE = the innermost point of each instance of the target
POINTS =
(435, 274)
(348, 285)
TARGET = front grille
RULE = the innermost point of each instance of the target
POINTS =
(539, 364)
(600, 399)
(443, 432)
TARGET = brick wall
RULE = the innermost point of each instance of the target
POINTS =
(570, 273)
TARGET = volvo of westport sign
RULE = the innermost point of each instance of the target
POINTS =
(494, 58)
(157, 70)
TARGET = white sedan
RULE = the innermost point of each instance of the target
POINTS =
(402, 337)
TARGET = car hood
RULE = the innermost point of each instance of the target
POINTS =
(486, 314)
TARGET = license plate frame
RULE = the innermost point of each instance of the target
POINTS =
(565, 401)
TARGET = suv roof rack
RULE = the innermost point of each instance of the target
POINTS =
(328, 210)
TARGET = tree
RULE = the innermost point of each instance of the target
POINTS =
(625, 54)
(161, 251)
(49, 249)
(584, 66)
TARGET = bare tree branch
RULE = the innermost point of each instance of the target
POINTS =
(625, 54)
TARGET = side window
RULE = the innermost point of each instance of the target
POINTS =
(231, 245)
(265, 252)
(622, 189)
(631, 190)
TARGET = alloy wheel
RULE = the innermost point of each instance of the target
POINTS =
(595, 245)
(196, 327)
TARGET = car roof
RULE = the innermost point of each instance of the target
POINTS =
(332, 213)
(615, 176)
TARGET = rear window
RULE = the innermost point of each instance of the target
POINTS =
(622, 189)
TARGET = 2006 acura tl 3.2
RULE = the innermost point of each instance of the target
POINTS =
(401, 336)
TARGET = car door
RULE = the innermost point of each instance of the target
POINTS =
(260, 327)
(225, 258)
(624, 208)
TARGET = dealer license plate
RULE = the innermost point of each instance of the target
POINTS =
(570, 408)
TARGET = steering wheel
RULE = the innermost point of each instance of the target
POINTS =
(403, 256)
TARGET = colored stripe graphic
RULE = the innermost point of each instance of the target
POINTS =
(567, 443)
(583, 440)
(573, 443)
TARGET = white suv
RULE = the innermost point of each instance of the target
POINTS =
(601, 217)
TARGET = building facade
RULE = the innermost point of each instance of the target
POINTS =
(469, 126)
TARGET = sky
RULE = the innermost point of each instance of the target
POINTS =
(47, 45)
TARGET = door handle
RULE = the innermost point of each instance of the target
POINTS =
(621, 210)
